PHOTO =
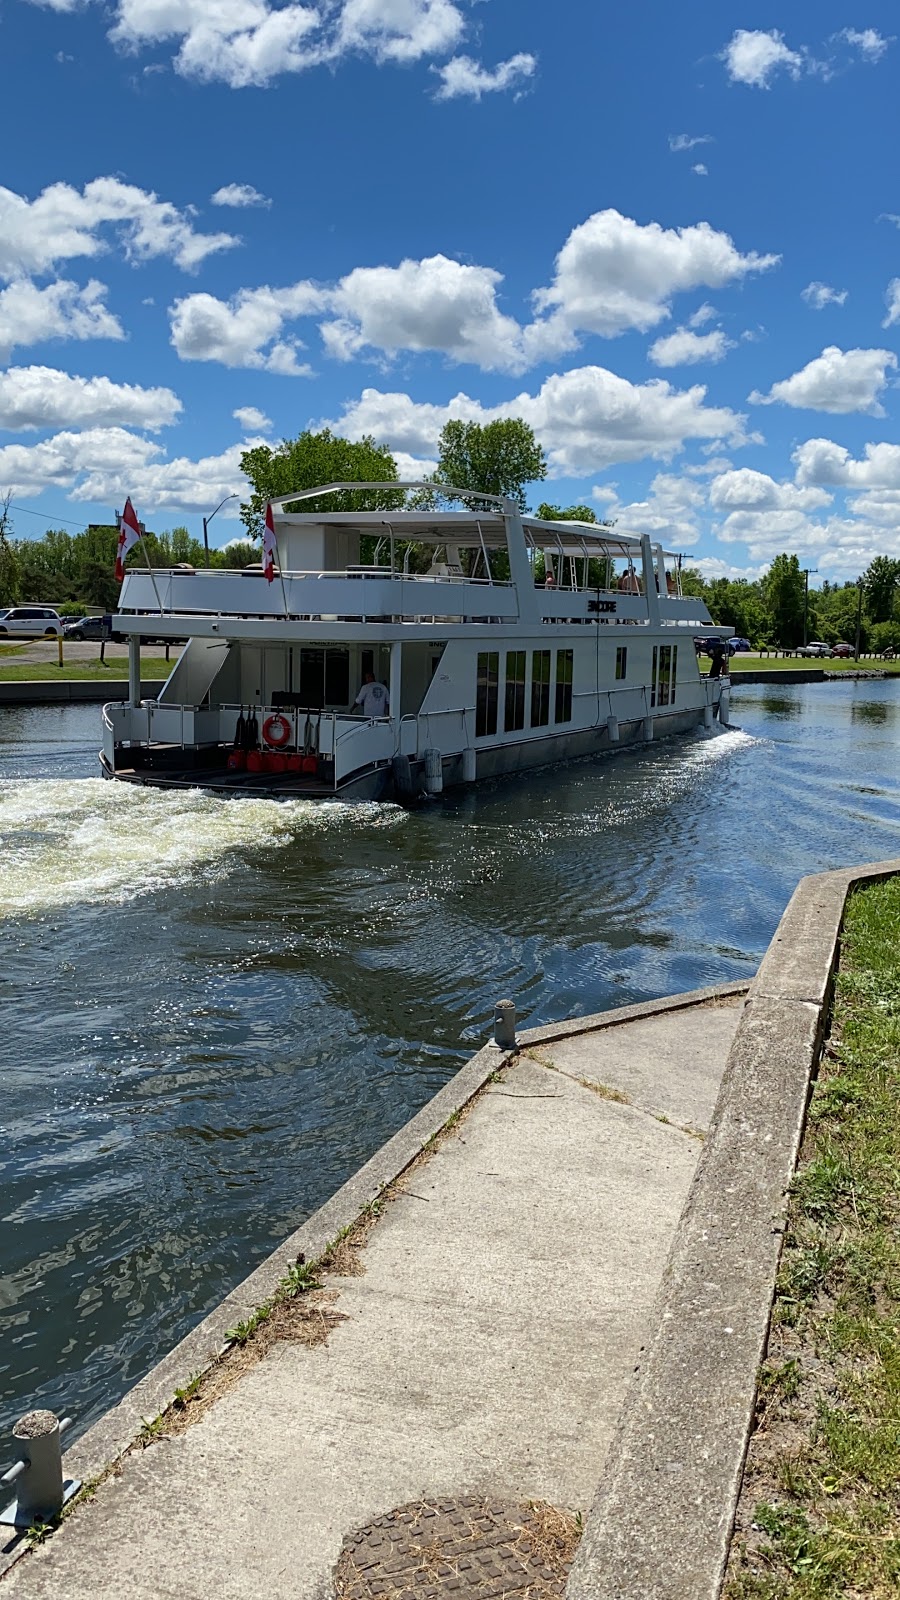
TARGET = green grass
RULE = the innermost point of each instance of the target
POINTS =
(152, 668)
(823, 1474)
(744, 663)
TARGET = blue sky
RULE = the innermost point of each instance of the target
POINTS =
(667, 236)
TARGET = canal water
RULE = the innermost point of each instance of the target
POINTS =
(215, 1010)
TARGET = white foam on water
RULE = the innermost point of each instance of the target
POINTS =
(90, 840)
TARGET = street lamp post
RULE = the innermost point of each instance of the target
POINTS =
(208, 520)
(806, 573)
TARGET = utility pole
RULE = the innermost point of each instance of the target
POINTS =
(859, 595)
(208, 520)
(806, 573)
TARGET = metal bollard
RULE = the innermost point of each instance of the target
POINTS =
(40, 1490)
(505, 1024)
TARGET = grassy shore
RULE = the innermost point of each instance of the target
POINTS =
(742, 663)
(153, 669)
(819, 1515)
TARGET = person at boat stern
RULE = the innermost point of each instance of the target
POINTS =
(373, 698)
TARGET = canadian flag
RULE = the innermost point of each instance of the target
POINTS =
(129, 534)
(269, 547)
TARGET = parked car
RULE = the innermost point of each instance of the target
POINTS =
(92, 628)
(705, 646)
(816, 647)
(739, 644)
(31, 622)
(842, 650)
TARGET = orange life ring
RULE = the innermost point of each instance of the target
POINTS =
(276, 731)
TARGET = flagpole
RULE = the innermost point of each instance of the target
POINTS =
(146, 556)
(278, 557)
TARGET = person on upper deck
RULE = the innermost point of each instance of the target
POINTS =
(373, 698)
(630, 583)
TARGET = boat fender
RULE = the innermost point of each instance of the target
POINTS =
(276, 731)
(434, 772)
(237, 760)
(254, 761)
(401, 772)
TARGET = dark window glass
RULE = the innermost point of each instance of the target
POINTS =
(622, 661)
(653, 675)
(337, 677)
(486, 698)
(312, 678)
(540, 688)
(514, 713)
(563, 686)
(663, 679)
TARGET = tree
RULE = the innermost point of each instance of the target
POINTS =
(785, 595)
(493, 457)
(880, 579)
(548, 513)
(9, 566)
(318, 458)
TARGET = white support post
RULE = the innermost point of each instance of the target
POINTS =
(650, 590)
(394, 689)
(519, 565)
(134, 669)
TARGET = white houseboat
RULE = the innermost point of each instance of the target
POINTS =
(486, 670)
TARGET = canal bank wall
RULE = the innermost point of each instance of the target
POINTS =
(675, 1132)
(71, 691)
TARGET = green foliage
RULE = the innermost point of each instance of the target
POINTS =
(548, 513)
(784, 590)
(495, 457)
(318, 458)
(881, 579)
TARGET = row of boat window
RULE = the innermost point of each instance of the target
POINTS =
(487, 702)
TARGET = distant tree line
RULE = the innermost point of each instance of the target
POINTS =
(497, 458)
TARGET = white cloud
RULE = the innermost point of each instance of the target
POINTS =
(251, 420)
(61, 310)
(43, 397)
(753, 57)
(239, 195)
(683, 347)
(687, 141)
(435, 304)
(840, 381)
(245, 331)
(587, 419)
(94, 465)
(821, 461)
(63, 222)
(702, 315)
(463, 78)
(247, 43)
(670, 511)
(701, 170)
(613, 274)
(870, 44)
(892, 299)
(819, 295)
(743, 489)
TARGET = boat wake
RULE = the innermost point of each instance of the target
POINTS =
(87, 840)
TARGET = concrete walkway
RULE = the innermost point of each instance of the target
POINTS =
(477, 1341)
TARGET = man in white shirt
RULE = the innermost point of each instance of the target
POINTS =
(373, 698)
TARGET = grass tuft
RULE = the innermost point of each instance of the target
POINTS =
(819, 1515)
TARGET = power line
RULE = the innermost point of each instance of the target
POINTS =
(43, 514)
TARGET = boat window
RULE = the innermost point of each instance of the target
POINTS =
(563, 686)
(540, 688)
(515, 691)
(622, 661)
(486, 699)
(324, 678)
(662, 690)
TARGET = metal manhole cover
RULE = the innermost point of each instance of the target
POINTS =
(471, 1546)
